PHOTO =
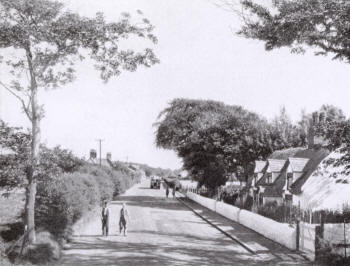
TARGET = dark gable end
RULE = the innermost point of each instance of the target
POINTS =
(316, 157)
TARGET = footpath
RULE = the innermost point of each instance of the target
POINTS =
(250, 240)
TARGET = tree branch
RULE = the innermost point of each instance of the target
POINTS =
(25, 108)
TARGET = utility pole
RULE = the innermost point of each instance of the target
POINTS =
(100, 143)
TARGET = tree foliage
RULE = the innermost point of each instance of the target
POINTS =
(321, 24)
(216, 140)
(16, 161)
(45, 41)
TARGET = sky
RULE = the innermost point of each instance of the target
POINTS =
(201, 57)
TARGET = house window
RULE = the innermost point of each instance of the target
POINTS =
(269, 178)
(289, 180)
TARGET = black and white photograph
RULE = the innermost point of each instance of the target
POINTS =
(174, 132)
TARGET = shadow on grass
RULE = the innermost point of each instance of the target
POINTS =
(12, 231)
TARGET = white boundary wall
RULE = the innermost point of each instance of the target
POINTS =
(334, 234)
(278, 232)
(307, 239)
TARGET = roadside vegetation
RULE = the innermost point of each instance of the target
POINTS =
(68, 188)
(218, 142)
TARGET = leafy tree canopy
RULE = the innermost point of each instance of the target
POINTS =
(216, 140)
(321, 24)
(13, 165)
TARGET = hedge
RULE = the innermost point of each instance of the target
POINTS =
(63, 200)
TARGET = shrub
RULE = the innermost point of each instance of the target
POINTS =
(62, 200)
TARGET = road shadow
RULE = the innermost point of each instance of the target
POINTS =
(150, 202)
(197, 251)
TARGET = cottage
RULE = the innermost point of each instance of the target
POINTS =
(295, 169)
(271, 184)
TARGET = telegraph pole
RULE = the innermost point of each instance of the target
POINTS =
(100, 143)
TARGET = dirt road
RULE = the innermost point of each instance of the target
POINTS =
(162, 232)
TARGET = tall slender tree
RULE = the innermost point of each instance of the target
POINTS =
(40, 44)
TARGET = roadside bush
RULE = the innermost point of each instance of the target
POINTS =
(63, 200)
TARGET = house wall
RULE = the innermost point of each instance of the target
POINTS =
(278, 232)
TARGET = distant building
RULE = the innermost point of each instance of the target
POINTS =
(104, 161)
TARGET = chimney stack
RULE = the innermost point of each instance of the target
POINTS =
(93, 154)
(109, 156)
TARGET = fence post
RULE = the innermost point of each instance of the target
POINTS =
(319, 235)
(344, 239)
(297, 240)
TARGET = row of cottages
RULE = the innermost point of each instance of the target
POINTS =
(273, 179)
(283, 175)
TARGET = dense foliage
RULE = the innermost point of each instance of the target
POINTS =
(67, 187)
(216, 141)
(63, 200)
(321, 24)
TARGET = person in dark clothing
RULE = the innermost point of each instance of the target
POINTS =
(123, 219)
(167, 191)
(105, 219)
(174, 189)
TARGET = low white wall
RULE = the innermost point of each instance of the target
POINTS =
(278, 232)
(334, 234)
(206, 202)
(307, 239)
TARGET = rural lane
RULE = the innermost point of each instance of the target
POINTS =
(162, 232)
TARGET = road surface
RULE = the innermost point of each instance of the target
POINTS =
(162, 232)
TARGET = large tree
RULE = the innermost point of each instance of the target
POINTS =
(321, 24)
(40, 43)
(216, 140)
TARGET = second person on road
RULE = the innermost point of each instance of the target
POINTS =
(124, 218)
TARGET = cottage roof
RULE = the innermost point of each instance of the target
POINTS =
(259, 166)
(327, 187)
(276, 165)
(297, 164)
(315, 157)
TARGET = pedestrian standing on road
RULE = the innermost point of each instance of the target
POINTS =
(123, 219)
(105, 219)
(167, 191)
(174, 189)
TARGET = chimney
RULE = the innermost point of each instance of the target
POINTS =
(316, 119)
(93, 154)
(109, 156)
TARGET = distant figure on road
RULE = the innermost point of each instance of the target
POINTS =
(167, 191)
(174, 189)
(124, 219)
(105, 219)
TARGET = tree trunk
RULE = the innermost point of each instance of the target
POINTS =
(32, 173)
(34, 155)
